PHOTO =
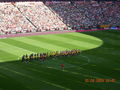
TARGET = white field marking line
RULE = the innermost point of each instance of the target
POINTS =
(118, 81)
(22, 74)
(88, 60)
(74, 73)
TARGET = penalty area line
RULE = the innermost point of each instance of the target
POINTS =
(88, 60)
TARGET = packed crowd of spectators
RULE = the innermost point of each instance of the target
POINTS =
(11, 20)
(88, 14)
(41, 16)
(37, 16)
(28, 17)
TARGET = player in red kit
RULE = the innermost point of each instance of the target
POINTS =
(62, 66)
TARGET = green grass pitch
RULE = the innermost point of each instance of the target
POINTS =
(99, 59)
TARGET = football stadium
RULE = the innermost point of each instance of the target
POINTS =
(59, 45)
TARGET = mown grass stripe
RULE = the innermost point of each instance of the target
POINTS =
(84, 36)
(13, 49)
(23, 45)
(45, 45)
(42, 70)
(73, 42)
(56, 42)
(108, 34)
(24, 78)
(78, 40)
(72, 77)
(83, 39)
(5, 56)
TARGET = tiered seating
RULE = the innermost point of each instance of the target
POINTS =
(11, 20)
(36, 16)
(41, 16)
(88, 14)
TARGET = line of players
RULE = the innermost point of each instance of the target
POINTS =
(43, 56)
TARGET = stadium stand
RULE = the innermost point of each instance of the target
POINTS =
(22, 17)
(42, 17)
(28, 17)
(88, 13)
(11, 20)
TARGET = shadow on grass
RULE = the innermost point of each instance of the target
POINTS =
(104, 63)
(33, 75)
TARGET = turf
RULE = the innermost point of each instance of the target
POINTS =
(99, 59)
(16, 47)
